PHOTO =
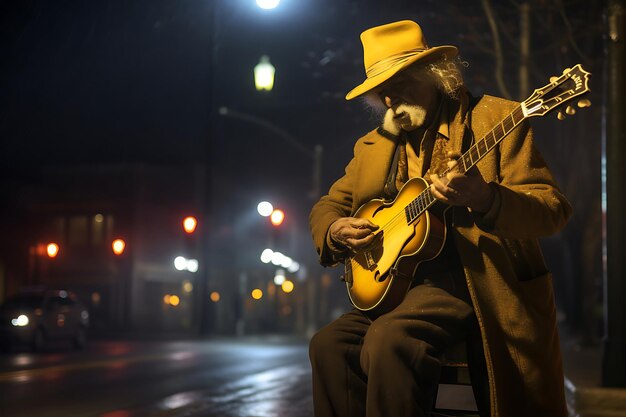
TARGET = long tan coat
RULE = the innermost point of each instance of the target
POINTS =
(509, 283)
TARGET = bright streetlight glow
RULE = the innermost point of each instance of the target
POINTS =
(279, 278)
(264, 74)
(192, 265)
(277, 217)
(257, 294)
(20, 321)
(187, 286)
(277, 258)
(267, 4)
(265, 208)
(52, 250)
(266, 256)
(174, 300)
(294, 267)
(180, 263)
(118, 246)
(189, 224)
(215, 296)
(287, 286)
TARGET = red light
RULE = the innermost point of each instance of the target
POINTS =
(277, 217)
(118, 246)
(52, 250)
(189, 224)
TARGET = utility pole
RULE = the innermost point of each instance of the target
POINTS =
(614, 184)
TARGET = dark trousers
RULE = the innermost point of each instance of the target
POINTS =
(389, 367)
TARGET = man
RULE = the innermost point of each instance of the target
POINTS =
(490, 276)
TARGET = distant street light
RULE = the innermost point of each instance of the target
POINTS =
(287, 286)
(189, 224)
(118, 246)
(267, 4)
(52, 249)
(277, 217)
(265, 208)
(264, 74)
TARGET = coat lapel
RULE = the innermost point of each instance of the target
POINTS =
(378, 153)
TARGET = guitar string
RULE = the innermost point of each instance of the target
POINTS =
(426, 195)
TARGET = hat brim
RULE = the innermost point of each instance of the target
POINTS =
(373, 82)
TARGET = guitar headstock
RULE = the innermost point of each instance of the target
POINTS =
(572, 84)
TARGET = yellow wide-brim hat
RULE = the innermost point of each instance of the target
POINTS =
(387, 49)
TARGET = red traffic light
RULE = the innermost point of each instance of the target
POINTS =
(277, 217)
(189, 224)
(52, 250)
(118, 246)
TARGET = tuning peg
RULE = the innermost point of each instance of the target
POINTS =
(553, 79)
(560, 115)
(566, 70)
(570, 110)
(584, 103)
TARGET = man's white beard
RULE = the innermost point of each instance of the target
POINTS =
(417, 115)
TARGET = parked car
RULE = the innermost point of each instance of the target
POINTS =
(36, 317)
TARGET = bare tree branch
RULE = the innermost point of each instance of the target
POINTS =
(497, 48)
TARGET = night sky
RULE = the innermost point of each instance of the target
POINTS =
(140, 82)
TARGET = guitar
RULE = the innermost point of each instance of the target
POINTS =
(378, 278)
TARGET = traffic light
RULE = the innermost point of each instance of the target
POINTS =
(277, 217)
(189, 224)
(52, 250)
(118, 246)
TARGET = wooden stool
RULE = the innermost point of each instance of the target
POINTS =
(463, 391)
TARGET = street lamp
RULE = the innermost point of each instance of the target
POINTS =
(267, 4)
(264, 74)
(265, 208)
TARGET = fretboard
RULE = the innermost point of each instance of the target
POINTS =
(467, 161)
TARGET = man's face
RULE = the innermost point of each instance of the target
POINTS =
(410, 97)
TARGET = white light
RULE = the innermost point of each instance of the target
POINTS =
(180, 263)
(277, 258)
(21, 320)
(286, 262)
(279, 278)
(267, 4)
(266, 256)
(293, 267)
(265, 208)
(264, 74)
(192, 265)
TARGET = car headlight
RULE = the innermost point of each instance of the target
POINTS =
(21, 320)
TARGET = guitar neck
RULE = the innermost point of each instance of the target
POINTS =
(468, 160)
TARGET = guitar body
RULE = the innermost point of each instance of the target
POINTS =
(379, 278)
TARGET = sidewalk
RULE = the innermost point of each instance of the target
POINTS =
(583, 389)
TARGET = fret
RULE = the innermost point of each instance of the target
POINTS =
(482, 147)
(467, 162)
(505, 126)
(462, 163)
(407, 215)
(497, 132)
(490, 139)
(474, 154)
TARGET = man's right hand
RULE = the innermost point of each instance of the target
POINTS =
(355, 234)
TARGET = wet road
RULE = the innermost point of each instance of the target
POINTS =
(239, 378)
